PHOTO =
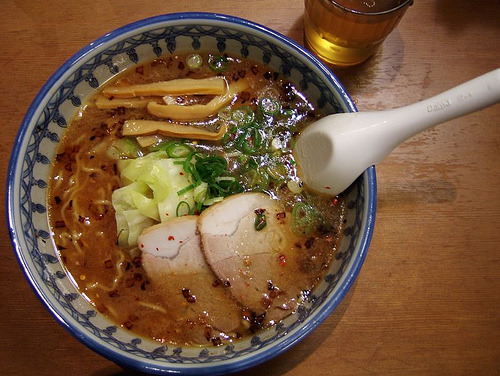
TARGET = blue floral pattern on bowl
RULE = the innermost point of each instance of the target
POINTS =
(44, 126)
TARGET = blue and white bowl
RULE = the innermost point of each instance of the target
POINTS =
(43, 128)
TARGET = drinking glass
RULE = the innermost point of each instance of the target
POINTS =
(347, 32)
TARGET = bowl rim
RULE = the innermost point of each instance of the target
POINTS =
(116, 355)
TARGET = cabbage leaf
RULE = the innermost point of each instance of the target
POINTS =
(149, 194)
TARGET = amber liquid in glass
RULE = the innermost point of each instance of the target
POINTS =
(343, 37)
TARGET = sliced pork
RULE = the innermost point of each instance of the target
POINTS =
(173, 261)
(248, 243)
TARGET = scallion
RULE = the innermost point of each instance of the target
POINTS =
(303, 218)
(210, 173)
(213, 200)
(243, 116)
(218, 63)
(257, 179)
(194, 61)
(250, 141)
(269, 106)
(177, 150)
(186, 189)
(260, 220)
(277, 171)
(179, 206)
(200, 192)
(225, 113)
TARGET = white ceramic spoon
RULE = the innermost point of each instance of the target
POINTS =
(336, 149)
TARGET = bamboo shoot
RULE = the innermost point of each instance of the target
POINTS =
(182, 86)
(150, 127)
(197, 111)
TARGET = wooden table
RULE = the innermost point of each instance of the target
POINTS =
(427, 301)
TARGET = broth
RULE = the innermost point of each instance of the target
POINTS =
(85, 174)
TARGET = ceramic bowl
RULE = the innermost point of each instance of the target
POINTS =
(44, 125)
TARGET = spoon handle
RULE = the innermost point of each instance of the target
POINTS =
(336, 149)
(463, 99)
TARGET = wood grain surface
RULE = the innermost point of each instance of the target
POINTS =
(427, 301)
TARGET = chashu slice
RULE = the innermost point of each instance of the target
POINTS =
(257, 266)
(174, 263)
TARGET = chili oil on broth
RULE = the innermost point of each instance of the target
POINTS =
(84, 177)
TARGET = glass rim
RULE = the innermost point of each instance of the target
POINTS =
(378, 13)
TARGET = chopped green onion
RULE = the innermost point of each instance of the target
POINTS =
(258, 179)
(210, 167)
(243, 115)
(260, 219)
(186, 189)
(225, 178)
(177, 150)
(199, 206)
(124, 148)
(302, 218)
(294, 186)
(218, 63)
(250, 141)
(225, 113)
(269, 106)
(288, 112)
(277, 171)
(226, 137)
(234, 154)
(248, 164)
(194, 61)
(174, 149)
(177, 210)
(212, 201)
(210, 173)
(200, 192)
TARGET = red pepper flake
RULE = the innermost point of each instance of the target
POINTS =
(181, 173)
(171, 237)
(216, 341)
(60, 224)
(328, 187)
(282, 260)
(309, 242)
(335, 201)
(266, 302)
(137, 262)
(186, 293)
(142, 245)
